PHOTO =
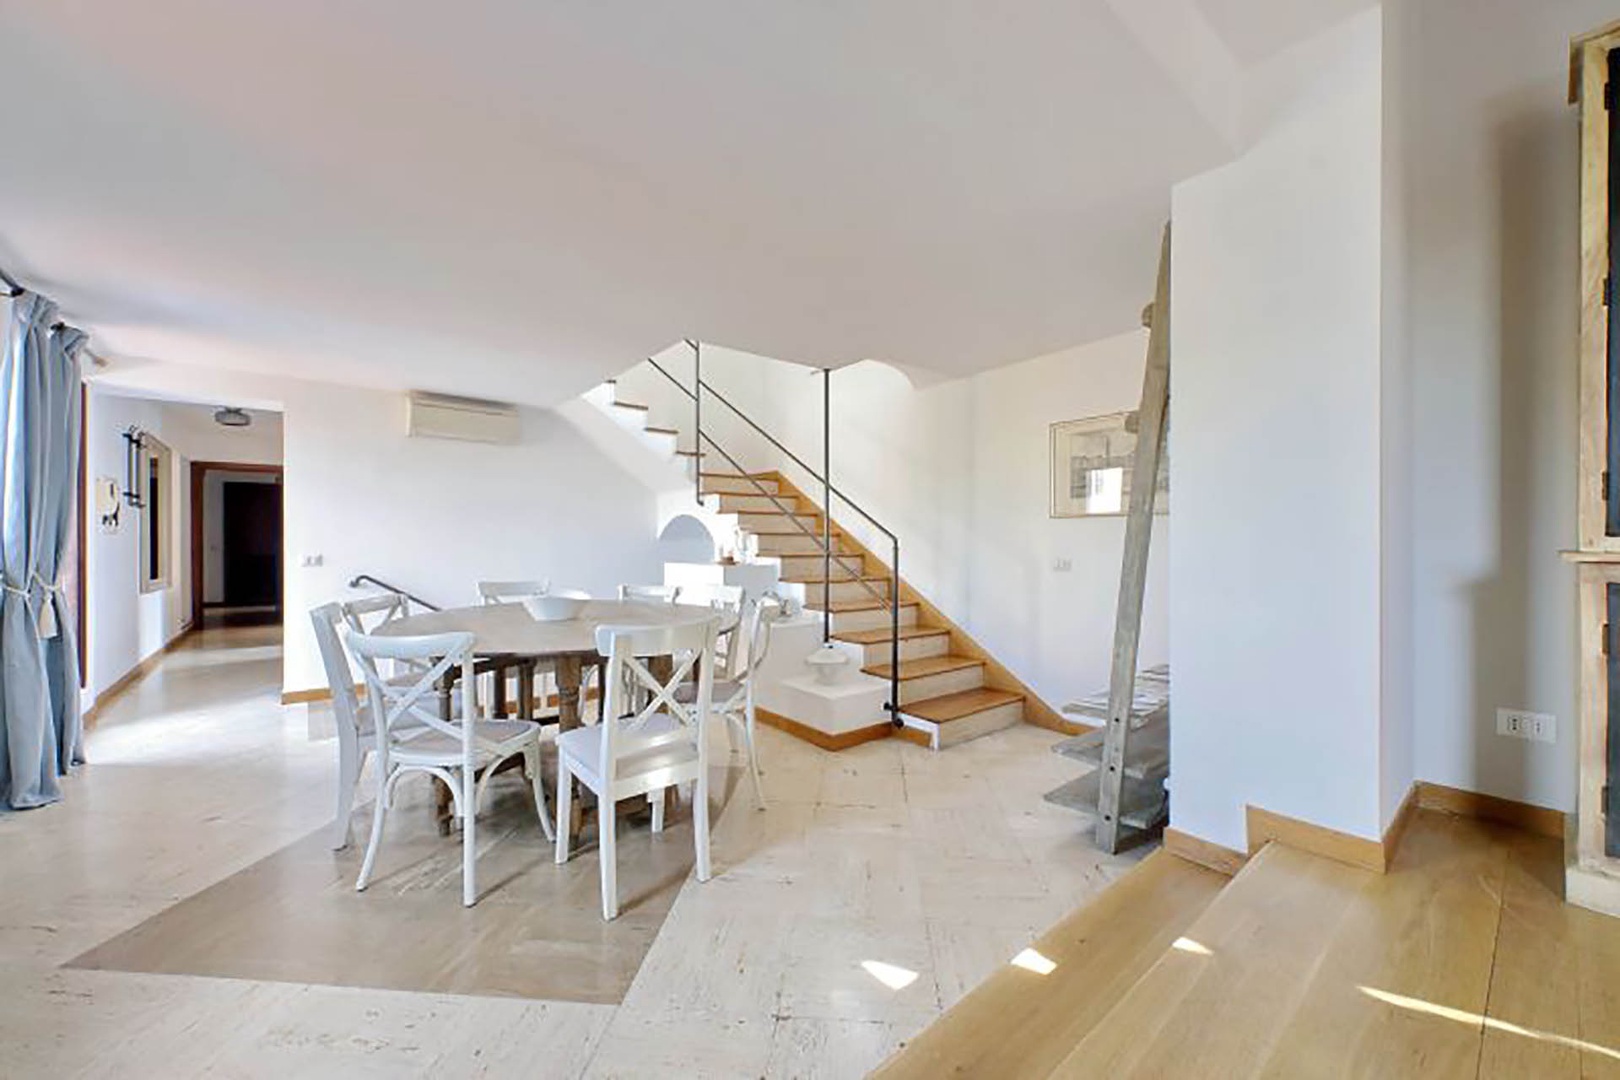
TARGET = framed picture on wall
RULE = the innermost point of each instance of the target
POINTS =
(1091, 467)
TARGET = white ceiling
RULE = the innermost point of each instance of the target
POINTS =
(517, 198)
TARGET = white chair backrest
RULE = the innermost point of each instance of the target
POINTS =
(624, 716)
(720, 597)
(511, 592)
(659, 594)
(345, 702)
(370, 612)
(403, 710)
(751, 640)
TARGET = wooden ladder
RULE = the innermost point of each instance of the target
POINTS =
(1126, 792)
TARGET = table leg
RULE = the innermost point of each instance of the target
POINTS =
(568, 673)
(526, 690)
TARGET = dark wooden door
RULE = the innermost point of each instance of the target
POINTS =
(252, 543)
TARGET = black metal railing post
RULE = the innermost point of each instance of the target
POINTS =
(697, 420)
(826, 505)
(894, 631)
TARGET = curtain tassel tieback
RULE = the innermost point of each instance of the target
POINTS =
(46, 625)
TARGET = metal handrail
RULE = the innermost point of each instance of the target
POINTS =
(893, 602)
(768, 437)
(791, 513)
(361, 579)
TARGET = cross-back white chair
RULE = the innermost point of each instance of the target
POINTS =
(733, 693)
(643, 748)
(410, 736)
(510, 592)
(354, 732)
(657, 594)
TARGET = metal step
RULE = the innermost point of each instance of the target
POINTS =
(1142, 803)
(1147, 750)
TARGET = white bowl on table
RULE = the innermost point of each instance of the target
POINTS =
(559, 606)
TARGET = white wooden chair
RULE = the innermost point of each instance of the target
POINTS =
(639, 751)
(354, 733)
(656, 594)
(515, 592)
(411, 737)
(510, 592)
(733, 693)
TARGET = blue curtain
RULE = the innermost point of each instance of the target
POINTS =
(39, 466)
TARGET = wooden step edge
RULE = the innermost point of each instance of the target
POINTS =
(769, 478)
(844, 607)
(925, 667)
(960, 704)
(835, 581)
(882, 635)
(691, 453)
(660, 431)
(1017, 1023)
(630, 405)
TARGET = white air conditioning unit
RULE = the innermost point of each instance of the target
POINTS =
(444, 416)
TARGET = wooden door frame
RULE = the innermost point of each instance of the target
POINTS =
(199, 472)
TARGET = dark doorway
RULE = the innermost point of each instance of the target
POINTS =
(236, 548)
(252, 544)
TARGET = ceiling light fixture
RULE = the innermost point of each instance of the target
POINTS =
(232, 418)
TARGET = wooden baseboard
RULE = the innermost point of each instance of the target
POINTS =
(1205, 853)
(1265, 826)
(841, 741)
(912, 735)
(298, 697)
(1398, 824)
(1534, 819)
(134, 675)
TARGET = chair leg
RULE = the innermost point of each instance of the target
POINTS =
(565, 799)
(656, 800)
(378, 810)
(469, 838)
(753, 758)
(351, 760)
(531, 762)
(700, 823)
(607, 848)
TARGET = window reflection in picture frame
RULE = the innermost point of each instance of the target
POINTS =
(1091, 467)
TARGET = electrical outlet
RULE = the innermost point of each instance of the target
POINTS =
(314, 560)
(1062, 566)
(1520, 724)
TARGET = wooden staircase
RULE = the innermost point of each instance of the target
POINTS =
(950, 690)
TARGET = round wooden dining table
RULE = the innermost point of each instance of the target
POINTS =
(508, 631)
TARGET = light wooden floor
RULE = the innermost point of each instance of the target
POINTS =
(1461, 962)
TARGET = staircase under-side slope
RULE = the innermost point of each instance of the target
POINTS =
(951, 690)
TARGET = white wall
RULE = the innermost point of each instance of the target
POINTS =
(430, 515)
(124, 625)
(1491, 162)
(1275, 614)
(960, 471)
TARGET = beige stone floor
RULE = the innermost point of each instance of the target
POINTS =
(940, 866)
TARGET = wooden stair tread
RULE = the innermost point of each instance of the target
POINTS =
(692, 453)
(631, 405)
(1019, 1024)
(882, 635)
(661, 430)
(840, 606)
(948, 707)
(820, 580)
(926, 666)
